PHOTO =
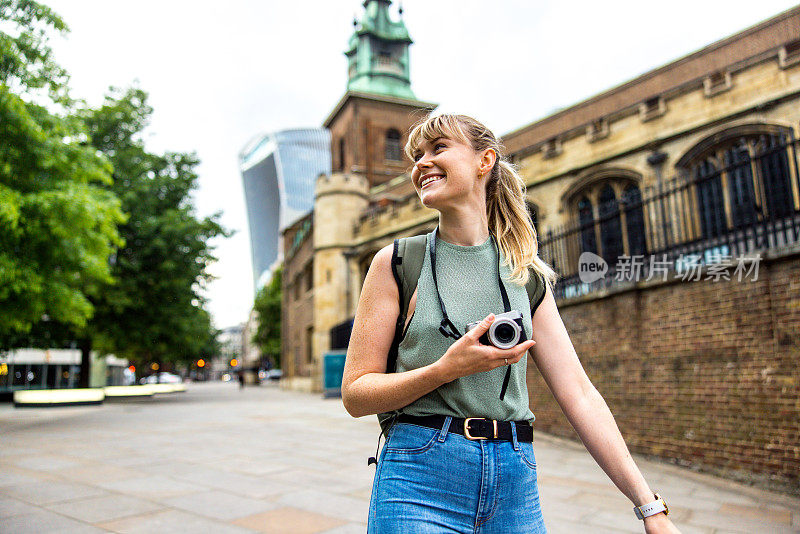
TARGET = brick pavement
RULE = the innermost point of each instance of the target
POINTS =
(219, 460)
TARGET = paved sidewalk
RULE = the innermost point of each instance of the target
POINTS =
(219, 460)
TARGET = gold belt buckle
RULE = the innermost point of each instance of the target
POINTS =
(475, 438)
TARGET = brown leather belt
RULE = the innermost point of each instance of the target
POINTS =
(474, 428)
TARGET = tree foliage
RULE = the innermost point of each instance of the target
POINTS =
(268, 306)
(57, 219)
(155, 310)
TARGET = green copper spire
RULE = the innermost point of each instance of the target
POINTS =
(377, 54)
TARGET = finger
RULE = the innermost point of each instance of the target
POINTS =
(522, 348)
(482, 327)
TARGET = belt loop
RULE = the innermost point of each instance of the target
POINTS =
(514, 435)
(445, 428)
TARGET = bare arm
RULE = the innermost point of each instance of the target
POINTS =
(586, 410)
(366, 387)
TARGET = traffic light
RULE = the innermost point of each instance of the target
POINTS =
(234, 362)
(201, 363)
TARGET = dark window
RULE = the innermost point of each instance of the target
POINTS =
(709, 199)
(309, 344)
(651, 104)
(393, 150)
(634, 220)
(774, 167)
(586, 221)
(308, 275)
(740, 185)
(610, 227)
(341, 154)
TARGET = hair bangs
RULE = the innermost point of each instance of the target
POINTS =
(434, 127)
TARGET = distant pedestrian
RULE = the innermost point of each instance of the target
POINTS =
(459, 450)
(241, 380)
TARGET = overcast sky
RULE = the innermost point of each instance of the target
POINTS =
(219, 73)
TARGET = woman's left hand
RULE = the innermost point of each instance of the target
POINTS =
(659, 524)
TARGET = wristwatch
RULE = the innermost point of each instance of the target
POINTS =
(651, 508)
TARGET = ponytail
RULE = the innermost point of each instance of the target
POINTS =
(510, 223)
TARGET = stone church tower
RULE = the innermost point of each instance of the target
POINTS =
(368, 131)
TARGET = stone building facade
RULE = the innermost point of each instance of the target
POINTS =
(695, 160)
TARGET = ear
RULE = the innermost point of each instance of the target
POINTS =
(487, 159)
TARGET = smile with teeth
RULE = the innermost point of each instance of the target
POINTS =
(430, 179)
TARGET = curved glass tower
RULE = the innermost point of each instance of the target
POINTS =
(279, 171)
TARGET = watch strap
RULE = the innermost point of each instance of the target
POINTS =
(651, 508)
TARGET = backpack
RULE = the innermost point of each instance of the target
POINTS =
(407, 259)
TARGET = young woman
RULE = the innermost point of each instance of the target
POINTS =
(458, 457)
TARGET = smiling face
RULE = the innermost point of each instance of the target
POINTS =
(446, 173)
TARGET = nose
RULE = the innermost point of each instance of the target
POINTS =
(422, 163)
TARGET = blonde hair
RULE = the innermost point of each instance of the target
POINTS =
(506, 209)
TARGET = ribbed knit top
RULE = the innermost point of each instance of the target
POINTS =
(467, 279)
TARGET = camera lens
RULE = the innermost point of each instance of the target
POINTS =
(505, 333)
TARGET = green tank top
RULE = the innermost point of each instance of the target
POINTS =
(467, 279)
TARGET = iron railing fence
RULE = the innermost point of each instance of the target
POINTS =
(719, 211)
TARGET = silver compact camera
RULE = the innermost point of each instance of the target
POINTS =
(505, 332)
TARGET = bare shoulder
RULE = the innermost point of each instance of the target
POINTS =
(380, 270)
(374, 322)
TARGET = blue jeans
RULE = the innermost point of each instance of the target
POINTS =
(432, 481)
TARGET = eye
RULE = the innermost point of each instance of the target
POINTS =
(417, 155)
(438, 145)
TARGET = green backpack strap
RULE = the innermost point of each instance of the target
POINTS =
(407, 259)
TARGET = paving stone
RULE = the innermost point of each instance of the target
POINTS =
(9, 507)
(105, 508)
(171, 522)
(349, 528)
(737, 524)
(44, 522)
(47, 463)
(329, 504)
(15, 478)
(267, 460)
(153, 488)
(50, 492)
(767, 514)
(290, 520)
(220, 505)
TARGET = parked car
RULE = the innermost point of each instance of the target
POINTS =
(163, 378)
(274, 374)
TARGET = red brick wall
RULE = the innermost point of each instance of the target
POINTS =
(704, 374)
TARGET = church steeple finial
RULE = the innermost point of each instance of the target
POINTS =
(378, 53)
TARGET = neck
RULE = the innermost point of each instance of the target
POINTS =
(464, 227)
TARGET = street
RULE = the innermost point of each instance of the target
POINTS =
(217, 459)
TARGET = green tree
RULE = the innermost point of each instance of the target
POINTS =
(268, 306)
(155, 310)
(58, 224)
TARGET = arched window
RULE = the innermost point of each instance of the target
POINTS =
(741, 176)
(393, 150)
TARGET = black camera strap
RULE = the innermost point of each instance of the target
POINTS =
(447, 328)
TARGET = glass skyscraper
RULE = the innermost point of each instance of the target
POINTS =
(279, 171)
